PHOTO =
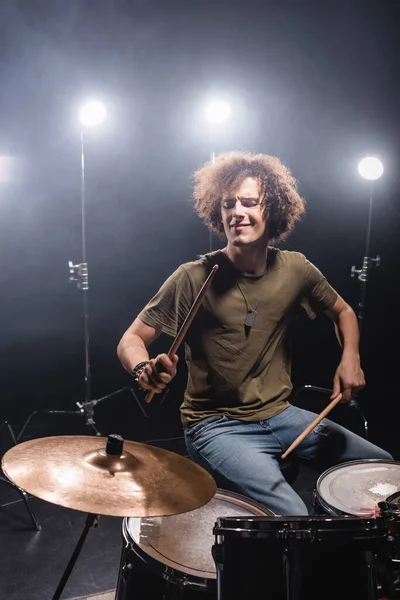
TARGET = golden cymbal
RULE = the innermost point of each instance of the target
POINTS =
(99, 476)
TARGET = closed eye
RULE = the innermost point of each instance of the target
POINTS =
(230, 203)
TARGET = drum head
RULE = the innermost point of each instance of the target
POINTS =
(184, 542)
(356, 487)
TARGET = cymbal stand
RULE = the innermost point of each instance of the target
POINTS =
(91, 521)
(22, 492)
(114, 448)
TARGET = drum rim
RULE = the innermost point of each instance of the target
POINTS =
(393, 496)
(332, 510)
(310, 527)
(356, 462)
(174, 574)
(328, 508)
(276, 519)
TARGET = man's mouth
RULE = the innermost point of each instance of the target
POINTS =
(240, 226)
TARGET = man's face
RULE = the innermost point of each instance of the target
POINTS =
(242, 214)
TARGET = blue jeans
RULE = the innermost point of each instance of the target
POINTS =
(243, 457)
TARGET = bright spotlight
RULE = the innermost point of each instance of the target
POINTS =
(92, 114)
(7, 165)
(370, 168)
(217, 112)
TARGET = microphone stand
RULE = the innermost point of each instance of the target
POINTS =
(79, 273)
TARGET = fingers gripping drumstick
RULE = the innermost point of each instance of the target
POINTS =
(187, 322)
(309, 429)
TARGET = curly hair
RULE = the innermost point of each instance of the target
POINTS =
(282, 205)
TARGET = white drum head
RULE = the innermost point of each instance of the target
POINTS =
(184, 541)
(356, 487)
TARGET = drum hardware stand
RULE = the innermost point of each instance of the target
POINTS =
(79, 273)
(85, 409)
(91, 521)
(390, 514)
(353, 403)
(114, 447)
(23, 494)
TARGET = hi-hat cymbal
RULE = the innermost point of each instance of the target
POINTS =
(85, 473)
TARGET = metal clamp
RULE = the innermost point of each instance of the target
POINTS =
(79, 273)
(367, 264)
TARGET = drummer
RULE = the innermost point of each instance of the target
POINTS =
(237, 413)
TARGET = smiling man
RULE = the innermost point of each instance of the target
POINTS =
(236, 412)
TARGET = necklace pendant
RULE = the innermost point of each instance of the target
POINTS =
(250, 318)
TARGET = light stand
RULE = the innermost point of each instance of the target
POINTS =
(216, 112)
(370, 168)
(363, 273)
(212, 158)
(91, 114)
(79, 274)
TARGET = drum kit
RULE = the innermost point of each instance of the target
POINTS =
(184, 538)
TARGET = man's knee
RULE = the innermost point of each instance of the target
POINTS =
(293, 509)
(373, 452)
(383, 455)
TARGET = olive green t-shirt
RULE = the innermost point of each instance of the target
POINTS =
(242, 372)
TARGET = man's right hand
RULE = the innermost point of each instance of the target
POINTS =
(158, 373)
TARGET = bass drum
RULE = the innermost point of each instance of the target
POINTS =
(356, 487)
(297, 558)
(166, 558)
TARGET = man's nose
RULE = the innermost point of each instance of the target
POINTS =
(238, 209)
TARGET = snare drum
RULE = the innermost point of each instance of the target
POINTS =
(170, 557)
(296, 558)
(356, 487)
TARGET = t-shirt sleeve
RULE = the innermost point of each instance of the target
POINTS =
(318, 294)
(167, 310)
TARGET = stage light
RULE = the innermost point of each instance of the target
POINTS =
(370, 168)
(217, 112)
(6, 168)
(92, 114)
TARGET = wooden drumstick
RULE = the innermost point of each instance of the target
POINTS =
(309, 429)
(187, 322)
